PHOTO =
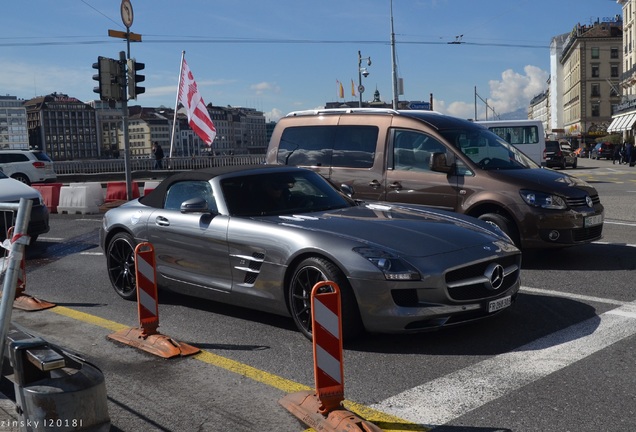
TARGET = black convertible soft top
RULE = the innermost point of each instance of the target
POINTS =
(156, 197)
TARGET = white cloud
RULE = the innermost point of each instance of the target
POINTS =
(512, 92)
(264, 87)
(274, 115)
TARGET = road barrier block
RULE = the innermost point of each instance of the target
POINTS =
(117, 191)
(50, 194)
(322, 409)
(78, 199)
(146, 336)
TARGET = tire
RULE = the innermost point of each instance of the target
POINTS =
(309, 272)
(505, 224)
(22, 178)
(120, 263)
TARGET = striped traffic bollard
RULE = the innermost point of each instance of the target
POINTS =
(322, 409)
(22, 300)
(146, 336)
(327, 342)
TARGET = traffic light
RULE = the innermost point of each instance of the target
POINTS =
(109, 78)
(134, 78)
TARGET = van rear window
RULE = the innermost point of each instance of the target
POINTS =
(336, 146)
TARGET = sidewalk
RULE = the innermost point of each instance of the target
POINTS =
(8, 417)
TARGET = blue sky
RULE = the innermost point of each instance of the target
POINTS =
(283, 55)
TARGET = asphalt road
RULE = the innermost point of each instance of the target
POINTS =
(560, 360)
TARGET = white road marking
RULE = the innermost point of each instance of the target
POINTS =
(444, 399)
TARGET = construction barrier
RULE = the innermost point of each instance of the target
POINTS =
(50, 194)
(22, 300)
(116, 191)
(322, 409)
(149, 186)
(146, 336)
(78, 199)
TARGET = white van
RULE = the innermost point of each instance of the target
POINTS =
(527, 135)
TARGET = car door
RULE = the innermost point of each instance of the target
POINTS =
(409, 178)
(191, 248)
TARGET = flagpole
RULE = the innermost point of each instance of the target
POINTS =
(176, 104)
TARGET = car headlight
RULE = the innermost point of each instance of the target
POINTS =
(543, 200)
(392, 266)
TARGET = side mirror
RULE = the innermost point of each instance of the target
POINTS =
(347, 190)
(195, 205)
(439, 163)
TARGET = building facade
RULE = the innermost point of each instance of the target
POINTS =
(624, 113)
(590, 62)
(62, 126)
(13, 123)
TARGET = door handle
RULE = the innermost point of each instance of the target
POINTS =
(374, 184)
(162, 221)
(396, 186)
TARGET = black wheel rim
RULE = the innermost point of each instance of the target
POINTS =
(301, 286)
(121, 267)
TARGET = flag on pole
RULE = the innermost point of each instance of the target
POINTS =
(353, 88)
(198, 115)
(340, 89)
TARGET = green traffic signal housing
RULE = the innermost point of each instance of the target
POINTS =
(134, 78)
(108, 77)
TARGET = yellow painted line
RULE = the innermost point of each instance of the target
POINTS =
(387, 422)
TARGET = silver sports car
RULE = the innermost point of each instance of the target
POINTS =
(262, 236)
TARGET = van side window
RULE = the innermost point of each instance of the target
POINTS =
(412, 150)
(337, 146)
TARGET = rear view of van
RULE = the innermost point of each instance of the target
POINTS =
(527, 135)
(423, 157)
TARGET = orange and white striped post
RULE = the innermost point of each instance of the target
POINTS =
(147, 296)
(22, 300)
(146, 336)
(322, 409)
(327, 342)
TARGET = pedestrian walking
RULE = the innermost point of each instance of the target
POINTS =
(617, 154)
(157, 151)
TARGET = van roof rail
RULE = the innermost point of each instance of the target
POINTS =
(341, 111)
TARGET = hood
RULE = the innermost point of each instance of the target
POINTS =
(546, 180)
(409, 230)
(12, 190)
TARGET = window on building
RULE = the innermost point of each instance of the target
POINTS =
(614, 52)
(614, 70)
(596, 89)
(596, 110)
(595, 52)
(595, 71)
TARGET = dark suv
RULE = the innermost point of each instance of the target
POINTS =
(603, 150)
(559, 154)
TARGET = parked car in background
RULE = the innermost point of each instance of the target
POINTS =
(559, 154)
(603, 150)
(11, 191)
(27, 166)
(261, 237)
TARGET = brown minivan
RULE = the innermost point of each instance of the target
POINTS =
(424, 157)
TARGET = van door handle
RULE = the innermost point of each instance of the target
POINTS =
(396, 185)
(374, 184)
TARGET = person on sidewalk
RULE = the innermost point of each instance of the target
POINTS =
(158, 152)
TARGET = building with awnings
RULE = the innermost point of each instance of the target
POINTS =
(624, 114)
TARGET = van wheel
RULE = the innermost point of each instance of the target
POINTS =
(22, 178)
(505, 224)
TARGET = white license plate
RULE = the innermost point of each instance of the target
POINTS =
(499, 304)
(593, 220)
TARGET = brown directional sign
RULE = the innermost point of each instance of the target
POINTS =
(133, 37)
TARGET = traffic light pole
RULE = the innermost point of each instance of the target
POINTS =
(124, 119)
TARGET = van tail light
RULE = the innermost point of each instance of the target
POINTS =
(39, 165)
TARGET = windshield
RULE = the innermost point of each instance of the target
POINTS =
(487, 150)
(280, 193)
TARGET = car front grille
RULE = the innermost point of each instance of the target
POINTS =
(470, 283)
(587, 234)
(580, 201)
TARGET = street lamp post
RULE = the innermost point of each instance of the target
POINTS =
(362, 71)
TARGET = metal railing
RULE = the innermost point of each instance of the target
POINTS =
(103, 166)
